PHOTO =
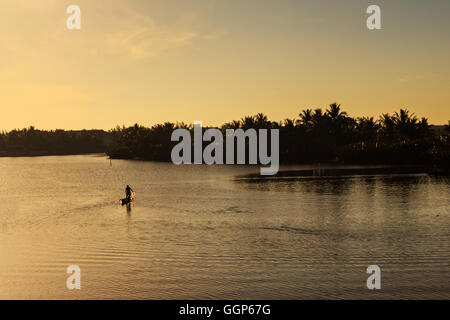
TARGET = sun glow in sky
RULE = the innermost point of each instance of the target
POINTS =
(151, 61)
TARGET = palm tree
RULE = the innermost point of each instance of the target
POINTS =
(334, 112)
(404, 117)
(405, 125)
(306, 117)
(317, 116)
(261, 120)
(288, 123)
(236, 124)
(367, 129)
(248, 122)
(387, 126)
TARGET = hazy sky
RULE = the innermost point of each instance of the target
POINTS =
(150, 61)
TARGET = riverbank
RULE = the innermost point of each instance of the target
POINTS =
(336, 171)
(20, 154)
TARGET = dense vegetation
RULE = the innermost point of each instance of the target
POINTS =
(33, 142)
(314, 136)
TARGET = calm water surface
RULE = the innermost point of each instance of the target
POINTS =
(197, 232)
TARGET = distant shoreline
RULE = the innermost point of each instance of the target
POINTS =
(314, 136)
(337, 169)
(330, 171)
(318, 170)
(46, 154)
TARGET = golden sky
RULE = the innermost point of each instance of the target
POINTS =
(151, 61)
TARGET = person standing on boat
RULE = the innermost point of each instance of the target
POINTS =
(128, 191)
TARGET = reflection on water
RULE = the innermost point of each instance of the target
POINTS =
(217, 233)
(129, 206)
(341, 184)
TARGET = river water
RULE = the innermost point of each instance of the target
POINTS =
(199, 232)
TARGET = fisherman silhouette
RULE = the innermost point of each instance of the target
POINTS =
(128, 191)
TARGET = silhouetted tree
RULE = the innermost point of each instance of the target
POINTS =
(314, 136)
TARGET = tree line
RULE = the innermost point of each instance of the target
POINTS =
(315, 135)
(33, 142)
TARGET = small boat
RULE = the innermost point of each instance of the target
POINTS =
(125, 201)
